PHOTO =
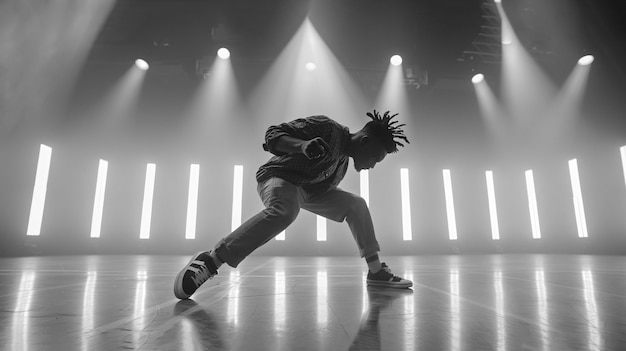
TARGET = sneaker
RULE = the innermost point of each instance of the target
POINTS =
(199, 269)
(385, 278)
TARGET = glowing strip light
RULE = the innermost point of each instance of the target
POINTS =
(98, 203)
(237, 197)
(364, 176)
(321, 228)
(447, 184)
(407, 232)
(532, 204)
(192, 201)
(579, 208)
(39, 191)
(622, 151)
(148, 194)
(493, 212)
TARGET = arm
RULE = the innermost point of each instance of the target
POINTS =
(313, 148)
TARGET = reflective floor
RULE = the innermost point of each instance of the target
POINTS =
(499, 302)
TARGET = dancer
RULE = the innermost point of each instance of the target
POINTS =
(310, 159)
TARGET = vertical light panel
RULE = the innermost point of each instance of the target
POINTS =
(579, 208)
(447, 184)
(407, 232)
(148, 194)
(192, 201)
(98, 202)
(237, 197)
(364, 176)
(622, 151)
(39, 192)
(532, 204)
(493, 212)
(321, 228)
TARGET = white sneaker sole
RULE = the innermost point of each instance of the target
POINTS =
(399, 285)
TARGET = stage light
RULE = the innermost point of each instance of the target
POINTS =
(622, 151)
(39, 191)
(98, 204)
(223, 53)
(477, 78)
(586, 60)
(321, 228)
(396, 60)
(310, 66)
(532, 204)
(493, 212)
(237, 197)
(497, 1)
(148, 194)
(447, 183)
(142, 64)
(579, 209)
(192, 201)
(364, 183)
(407, 232)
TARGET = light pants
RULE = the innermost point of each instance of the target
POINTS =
(283, 201)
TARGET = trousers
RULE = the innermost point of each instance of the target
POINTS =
(283, 201)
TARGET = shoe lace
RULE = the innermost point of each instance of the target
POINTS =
(201, 276)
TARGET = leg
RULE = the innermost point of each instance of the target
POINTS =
(339, 205)
(282, 200)
(282, 205)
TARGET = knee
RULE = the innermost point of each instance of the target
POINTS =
(357, 205)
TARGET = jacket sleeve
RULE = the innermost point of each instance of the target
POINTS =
(302, 128)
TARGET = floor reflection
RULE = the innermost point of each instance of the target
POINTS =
(379, 299)
(200, 330)
(21, 317)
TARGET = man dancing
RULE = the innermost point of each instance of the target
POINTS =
(310, 159)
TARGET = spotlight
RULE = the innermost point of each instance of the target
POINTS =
(497, 1)
(142, 65)
(223, 53)
(396, 60)
(586, 60)
(310, 66)
(477, 78)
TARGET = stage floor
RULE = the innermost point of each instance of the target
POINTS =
(487, 302)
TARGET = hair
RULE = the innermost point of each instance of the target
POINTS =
(385, 130)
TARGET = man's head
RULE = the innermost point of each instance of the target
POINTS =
(375, 140)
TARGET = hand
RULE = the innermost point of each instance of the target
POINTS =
(315, 148)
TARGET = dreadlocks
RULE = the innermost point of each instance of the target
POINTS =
(386, 130)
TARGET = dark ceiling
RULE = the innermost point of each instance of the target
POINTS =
(440, 35)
